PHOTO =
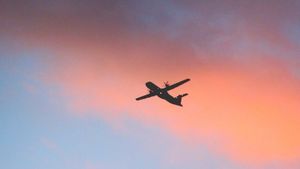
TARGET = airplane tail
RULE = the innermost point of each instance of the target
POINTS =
(179, 97)
(185, 94)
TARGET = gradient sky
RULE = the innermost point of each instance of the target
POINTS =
(70, 72)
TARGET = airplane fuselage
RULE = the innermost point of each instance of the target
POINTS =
(163, 94)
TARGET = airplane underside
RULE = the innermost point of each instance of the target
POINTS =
(173, 100)
(154, 90)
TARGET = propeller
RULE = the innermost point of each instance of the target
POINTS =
(166, 83)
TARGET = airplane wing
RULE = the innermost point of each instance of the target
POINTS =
(176, 84)
(145, 96)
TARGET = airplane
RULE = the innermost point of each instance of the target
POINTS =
(154, 90)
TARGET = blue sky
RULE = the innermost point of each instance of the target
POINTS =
(69, 73)
(40, 131)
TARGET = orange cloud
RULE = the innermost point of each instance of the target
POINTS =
(243, 102)
(250, 116)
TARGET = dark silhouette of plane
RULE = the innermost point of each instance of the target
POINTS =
(163, 92)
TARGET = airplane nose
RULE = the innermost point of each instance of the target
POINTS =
(148, 84)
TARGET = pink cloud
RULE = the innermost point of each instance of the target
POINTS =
(250, 116)
(243, 100)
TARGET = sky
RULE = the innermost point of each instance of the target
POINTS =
(70, 72)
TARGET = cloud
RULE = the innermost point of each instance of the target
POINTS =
(249, 115)
(244, 94)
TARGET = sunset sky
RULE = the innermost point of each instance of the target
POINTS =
(70, 72)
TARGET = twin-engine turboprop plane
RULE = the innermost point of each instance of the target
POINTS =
(163, 92)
